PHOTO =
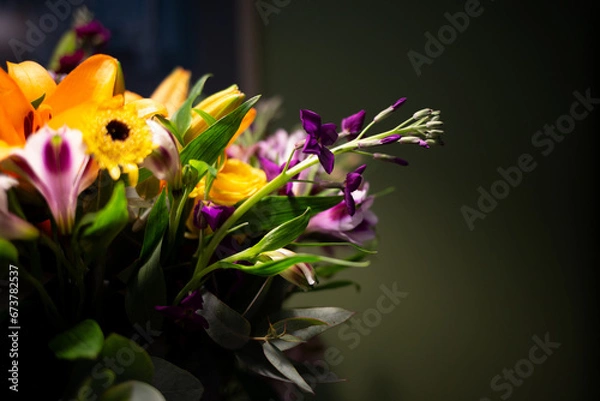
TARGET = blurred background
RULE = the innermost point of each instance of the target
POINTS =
(477, 291)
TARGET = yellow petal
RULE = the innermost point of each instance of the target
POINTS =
(93, 80)
(131, 96)
(173, 90)
(33, 79)
(146, 108)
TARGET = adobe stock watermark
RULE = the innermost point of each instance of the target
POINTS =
(446, 35)
(504, 383)
(267, 7)
(351, 334)
(35, 35)
(543, 141)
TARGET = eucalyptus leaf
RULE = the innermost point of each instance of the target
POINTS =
(332, 316)
(132, 391)
(83, 341)
(132, 361)
(208, 146)
(283, 365)
(174, 383)
(226, 327)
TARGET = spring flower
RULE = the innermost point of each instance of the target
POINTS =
(352, 125)
(386, 112)
(91, 83)
(185, 313)
(56, 164)
(319, 137)
(235, 181)
(338, 223)
(164, 161)
(353, 181)
(217, 105)
(173, 90)
(12, 227)
(207, 214)
(300, 274)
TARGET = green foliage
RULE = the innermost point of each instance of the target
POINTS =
(174, 383)
(226, 327)
(83, 341)
(182, 118)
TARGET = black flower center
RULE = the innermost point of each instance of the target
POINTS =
(117, 130)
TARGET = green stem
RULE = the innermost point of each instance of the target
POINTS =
(49, 305)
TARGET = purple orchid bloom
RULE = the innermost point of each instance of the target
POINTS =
(337, 223)
(211, 215)
(11, 226)
(319, 137)
(56, 164)
(353, 182)
(185, 313)
(97, 33)
(353, 124)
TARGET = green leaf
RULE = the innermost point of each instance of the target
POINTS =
(174, 383)
(66, 45)
(182, 118)
(132, 391)
(272, 211)
(331, 317)
(208, 146)
(210, 120)
(283, 365)
(280, 236)
(96, 231)
(36, 103)
(8, 252)
(157, 224)
(274, 267)
(226, 327)
(133, 362)
(147, 289)
(293, 324)
(83, 341)
(333, 268)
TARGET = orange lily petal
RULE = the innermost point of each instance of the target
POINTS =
(173, 90)
(77, 117)
(14, 110)
(93, 80)
(33, 79)
(246, 121)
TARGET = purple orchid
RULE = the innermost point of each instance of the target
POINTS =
(338, 223)
(352, 125)
(56, 164)
(93, 31)
(164, 161)
(211, 215)
(319, 137)
(353, 181)
(185, 313)
(12, 227)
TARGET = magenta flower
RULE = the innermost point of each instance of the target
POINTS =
(211, 215)
(93, 31)
(352, 183)
(319, 137)
(11, 226)
(56, 164)
(352, 125)
(338, 223)
(185, 313)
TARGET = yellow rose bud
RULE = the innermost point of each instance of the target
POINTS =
(217, 105)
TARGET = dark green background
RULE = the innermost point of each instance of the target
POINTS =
(477, 297)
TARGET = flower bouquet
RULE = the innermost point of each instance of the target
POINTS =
(151, 242)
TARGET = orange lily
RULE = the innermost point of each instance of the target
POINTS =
(92, 82)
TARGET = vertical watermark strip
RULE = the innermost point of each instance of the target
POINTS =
(13, 327)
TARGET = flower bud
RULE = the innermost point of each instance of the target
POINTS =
(217, 105)
(300, 274)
